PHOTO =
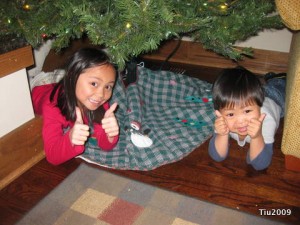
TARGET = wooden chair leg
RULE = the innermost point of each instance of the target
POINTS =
(292, 163)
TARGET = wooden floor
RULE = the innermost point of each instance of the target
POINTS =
(231, 183)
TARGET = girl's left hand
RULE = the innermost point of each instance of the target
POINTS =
(255, 126)
(109, 122)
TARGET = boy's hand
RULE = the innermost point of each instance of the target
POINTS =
(255, 126)
(110, 123)
(80, 131)
(221, 127)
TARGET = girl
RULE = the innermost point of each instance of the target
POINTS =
(76, 108)
(244, 113)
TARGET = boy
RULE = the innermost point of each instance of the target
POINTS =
(244, 113)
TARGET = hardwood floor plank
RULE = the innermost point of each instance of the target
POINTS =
(25, 192)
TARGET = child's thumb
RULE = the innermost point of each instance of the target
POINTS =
(111, 110)
(262, 117)
(218, 114)
(78, 115)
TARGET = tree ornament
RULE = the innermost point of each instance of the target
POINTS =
(44, 36)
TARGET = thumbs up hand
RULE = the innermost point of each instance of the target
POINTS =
(221, 127)
(80, 131)
(110, 123)
(255, 126)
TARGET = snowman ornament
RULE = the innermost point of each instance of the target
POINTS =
(138, 138)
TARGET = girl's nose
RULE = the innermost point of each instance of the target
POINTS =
(100, 92)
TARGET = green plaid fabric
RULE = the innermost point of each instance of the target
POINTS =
(168, 104)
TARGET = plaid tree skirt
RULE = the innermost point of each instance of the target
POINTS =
(177, 110)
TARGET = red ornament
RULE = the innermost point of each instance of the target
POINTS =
(44, 36)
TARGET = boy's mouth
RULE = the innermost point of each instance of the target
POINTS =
(242, 129)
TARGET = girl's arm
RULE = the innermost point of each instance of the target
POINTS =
(107, 133)
(57, 145)
(102, 138)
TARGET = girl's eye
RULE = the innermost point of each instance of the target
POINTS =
(248, 111)
(109, 87)
(94, 84)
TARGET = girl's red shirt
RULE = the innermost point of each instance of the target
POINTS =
(57, 145)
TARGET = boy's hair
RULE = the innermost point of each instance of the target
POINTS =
(237, 86)
(81, 60)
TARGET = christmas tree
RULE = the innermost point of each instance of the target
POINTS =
(128, 28)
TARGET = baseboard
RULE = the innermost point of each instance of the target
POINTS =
(20, 150)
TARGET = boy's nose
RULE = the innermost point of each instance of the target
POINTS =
(241, 119)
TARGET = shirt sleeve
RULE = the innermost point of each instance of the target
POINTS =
(102, 138)
(57, 145)
(263, 160)
(212, 151)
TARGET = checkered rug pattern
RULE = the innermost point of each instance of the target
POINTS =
(175, 108)
(90, 196)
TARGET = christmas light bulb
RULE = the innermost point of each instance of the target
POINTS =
(26, 7)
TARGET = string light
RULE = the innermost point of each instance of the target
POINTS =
(26, 7)
(128, 25)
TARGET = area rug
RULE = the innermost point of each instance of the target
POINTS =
(90, 196)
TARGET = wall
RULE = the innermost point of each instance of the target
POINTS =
(274, 40)
(16, 107)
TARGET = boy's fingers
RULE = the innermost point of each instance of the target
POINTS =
(218, 114)
(262, 117)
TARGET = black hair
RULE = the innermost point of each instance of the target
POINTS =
(235, 86)
(81, 60)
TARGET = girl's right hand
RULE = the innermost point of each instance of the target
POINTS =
(221, 127)
(80, 131)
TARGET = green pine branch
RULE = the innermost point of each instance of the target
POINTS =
(128, 28)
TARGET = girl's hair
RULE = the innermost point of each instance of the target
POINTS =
(82, 60)
(237, 86)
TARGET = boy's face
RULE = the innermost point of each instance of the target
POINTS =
(94, 86)
(239, 117)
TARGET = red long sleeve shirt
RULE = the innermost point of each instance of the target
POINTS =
(57, 145)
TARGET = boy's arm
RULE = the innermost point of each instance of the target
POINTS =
(257, 142)
(256, 146)
(263, 159)
(221, 136)
(218, 147)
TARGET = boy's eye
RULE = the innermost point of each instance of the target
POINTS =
(230, 115)
(94, 84)
(248, 111)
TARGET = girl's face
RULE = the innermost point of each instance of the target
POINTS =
(94, 86)
(239, 116)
